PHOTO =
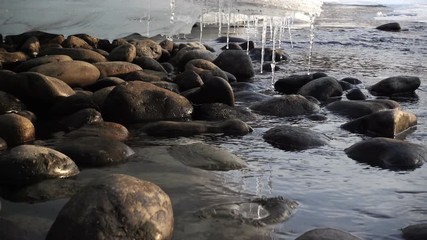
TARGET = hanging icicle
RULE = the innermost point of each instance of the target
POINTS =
(263, 41)
(201, 26)
(219, 18)
(172, 6)
(228, 27)
(248, 29)
(310, 51)
(273, 54)
(289, 25)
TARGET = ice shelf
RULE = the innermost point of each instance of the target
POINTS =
(117, 18)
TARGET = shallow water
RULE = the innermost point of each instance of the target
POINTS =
(332, 190)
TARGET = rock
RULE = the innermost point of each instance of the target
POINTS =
(200, 155)
(104, 82)
(415, 232)
(92, 41)
(286, 106)
(345, 86)
(167, 66)
(247, 45)
(149, 63)
(75, 42)
(355, 94)
(148, 48)
(125, 52)
(31, 47)
(79, 54)
(292, 138)
(223, 39)
(292, 84)
(227, 61)
(27, 65)
(16, 129)
(110, 130)
(395, 85)
(9, 103)
(72, 104)
(205, 69)
(322, 88)
(167, 85)
(188, 80)
(176, 129)
(232, 46)
(116, 68)
(351, 80)
(95, 151)
(388, 153)
(99, 96)
(13, 231)
(327, 234)
(146, 76)
(115, 206)
(43, 37)
(386, 123)
(167, 44)
(67, 72)
(390, 27)
(12, 58)
(27, 164)
(221, 111)
(360, 108)
(79, 119)
(187, 54)
(214, 90)
(3, 145)
(137, 101)
(279, 55)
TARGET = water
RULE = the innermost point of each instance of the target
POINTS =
(332, 190)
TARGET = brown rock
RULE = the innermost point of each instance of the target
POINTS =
(16, 130)
(76, 54)
(116, 68)
(125, 52)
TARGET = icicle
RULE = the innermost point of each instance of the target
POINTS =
(256, 26)
(273, 55)
(172, 5)
(149, 18)
(248, 32)
(310, 53)
(289, 25)
(263, 40)
(228, 28)
(201, 26)
(281, 30)
(219, 18)
(271, 27)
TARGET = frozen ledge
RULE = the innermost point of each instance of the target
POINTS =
(117, 18)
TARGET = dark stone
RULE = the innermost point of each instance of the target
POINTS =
(31, 47)
(148, 48)
(250, 96)
(355, 94)
(9, 103)
(149, 63)
(322, 88)
(286, 106)
(104, 82)
(79, 119)
(16, 129)
(27, 65)
(292, 138)
(72, 104)
(390, 27)
(188, 80)
(279, 54)
(244, 45)
(327, 234)
(220, 111)
(92, 41)
(110, 130)
(80, 54)
(292, 84)
(268, 67)
(75, 42)
(388, 153)
(395, 85)
(232, 46)
(359, 108)
(345, 85)
(205, 69)
(351, 80)
(125, 52)
(215, 90)
(186, 55)
(415, 232)
(223, 39)
(116, 68)
(115, 206)
(168, 67)
(43, 37)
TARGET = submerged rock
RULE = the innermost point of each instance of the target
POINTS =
(286, 106)
(103, 129)
(220, 111)
(390, 27)
(395, 86)
(115, 207)
(360, 108)
(200, 155)
(327, 234)
(215, 90)
(388, 153)
(415, 232)
(292, 138)
(322, 88)
(227, 61)
(292, 84)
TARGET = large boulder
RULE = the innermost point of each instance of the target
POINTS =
(34, 62)
(386, 123)
(214, 90)
(115, 207)
(395, 86)
(76, 54)
(360, 108)
(206, 157)
(16, 129)
(188, 80)
(292, 138)
(388, 153)
(74, 73)
(148, 48)
(327, 234)
(27, 164)
(137, 101)
(322, 88)
(227, 61)
(293, 83)
(205, 69)
(148, 63)
(125, 52)
(390, 27)
(286, 106)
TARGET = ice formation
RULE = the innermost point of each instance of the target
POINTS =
(117, 18)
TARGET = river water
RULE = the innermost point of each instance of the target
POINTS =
(332, 190)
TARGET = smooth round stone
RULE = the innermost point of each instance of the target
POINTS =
(99, 96)
(360, 108)
(214, 90)
(125, 52)
(80, 118)
(200, 155)
(188, 80)
(220, 111)
(3, 146)
(12, 57)
(31, 46)
(105, 82)
(110, 130)
(149, 63)
(322, 88)
(80, 54)
(16, 129)
(148, 48)
(75, 42)
(327, 234)
(9, 103)
(395, 85)
(95, 151)
(415, 232)
(390, 27)
(355, 94)
(27, 65)
(250, 96)
(111, 69)
(227, 61)
(205, 69)
(286, 106)
(27, 164)
(115, 206)
(188, 54)
(291, 84)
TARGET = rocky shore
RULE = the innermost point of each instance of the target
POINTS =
(72, 103)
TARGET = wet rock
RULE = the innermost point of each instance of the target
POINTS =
(345, 85)
(137, 101)
(286, 106)
(292, 138)
(66, 71)
(125, 52)
(355, 94)
(80, 54)
(148, 48)
(99, 96)
(13, 231)
(95, 151)
(220, 111)
(386, 123)
(268, 67)
(227, 61)
(110, 130)
(245, 45)
(327, 234)
(31, 47)
(16, 129)
(395, 85)
(250, 96)
(116, 68)
(167, 66)
(104, 82)
(360, 108)
(167, 85)
(200, 155)
(149, 63)
(146, 76)
(91, 40)
(115, 206)
(390, 27)
(79, 119)
(27, 164)
(27, 65)
(322, 88)
(292, 84)
(43, 37)
(3, 144)
(205, 69)
(388, 153)
(75, 42)
(72, 104)
(9, 102)
(12, 58)
(232, 46)
(223, 39)
(415, 232)
(351, 80)
(167, 44)
(176, 129)
(214, 90)
(188, 80)
(188, 54)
